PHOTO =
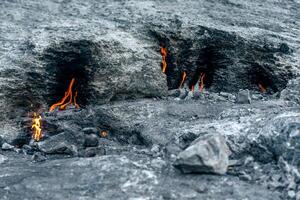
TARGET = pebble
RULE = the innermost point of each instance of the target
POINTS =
(3, 159)
(6, 146)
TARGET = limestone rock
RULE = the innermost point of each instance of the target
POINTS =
(207, 154)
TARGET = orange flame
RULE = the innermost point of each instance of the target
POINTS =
(163, 51)
(201, 83)
(183, 79)
(262, 88)
(36, 127)
(103, 133)
(68, 95)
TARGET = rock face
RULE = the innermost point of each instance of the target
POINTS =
(207, 154)
(112, 50)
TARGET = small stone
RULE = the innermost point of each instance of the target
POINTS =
(245, 177)
(207, 154)
(38, 157)
(244, 97)
(155, 148)
(93, 151)
(6, 146)
(3, 159)
(284, 48)
(183, 93)
(291, 194)
(174, 93)
(201, 189)
(91, 140)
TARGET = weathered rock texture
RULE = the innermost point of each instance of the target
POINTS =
(112, 49)
(207, 154)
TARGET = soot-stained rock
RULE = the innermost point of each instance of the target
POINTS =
(63, 143)
(207, 154)
(91, 140)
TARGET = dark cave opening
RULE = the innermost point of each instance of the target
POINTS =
(70, 60)
(223, 63)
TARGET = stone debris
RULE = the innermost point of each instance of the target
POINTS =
(207, 154)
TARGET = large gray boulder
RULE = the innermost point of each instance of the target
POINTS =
(207, 154)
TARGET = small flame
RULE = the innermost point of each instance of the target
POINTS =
(163, 51)
(36, 127)
(183, 79)
(103, 133)
(262, 88)
(68, 95)
(201, 83)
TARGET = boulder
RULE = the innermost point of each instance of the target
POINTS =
(91, 140)
(207, 154)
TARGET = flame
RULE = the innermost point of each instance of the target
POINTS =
(262, 88)
(201, 83)
(163, 51)
(68, 95)
(183, 79)
(36, 127)
(103, 133)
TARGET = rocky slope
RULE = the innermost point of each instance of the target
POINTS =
(123, 141)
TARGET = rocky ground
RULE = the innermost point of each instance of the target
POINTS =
(136, 136)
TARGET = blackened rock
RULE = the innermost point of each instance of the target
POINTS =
(174, 93)
(93, 151)
(284, 48)
(207, 154)
(6, 146)
(91, 140)
(244, 97)
(63, 143)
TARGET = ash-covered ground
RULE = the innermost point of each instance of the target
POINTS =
(136, 135)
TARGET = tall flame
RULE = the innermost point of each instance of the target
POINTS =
(183, 79)
(201, 83)
(36, 127)
(163, 51)
(262, 88)
(68, 96)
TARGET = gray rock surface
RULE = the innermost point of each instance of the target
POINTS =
(112, 49)
(207, 154)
